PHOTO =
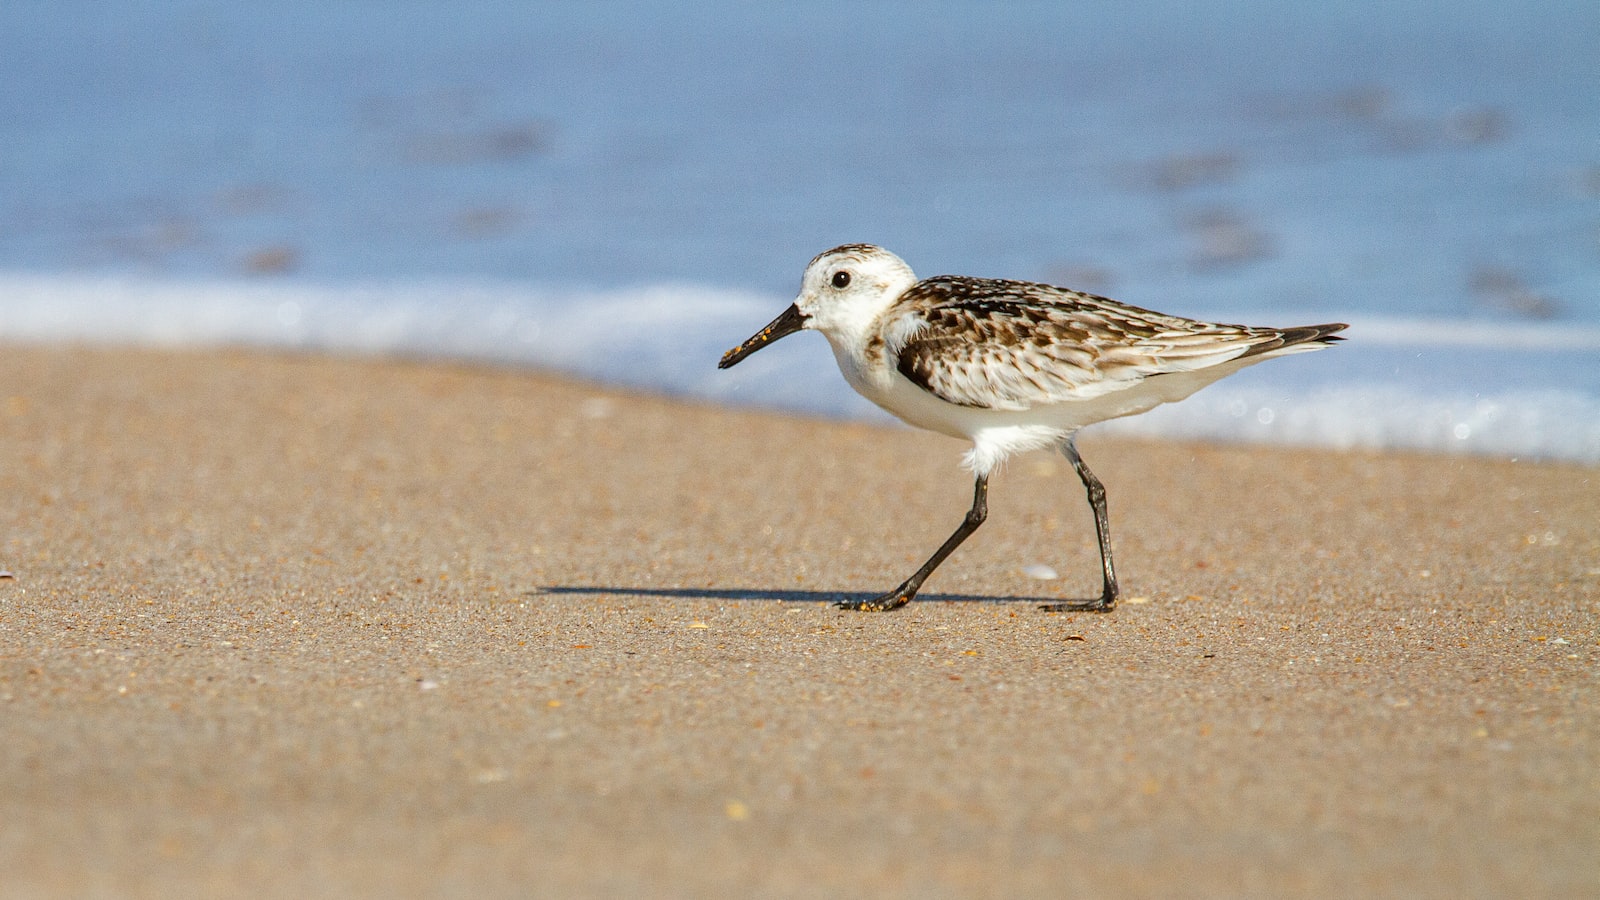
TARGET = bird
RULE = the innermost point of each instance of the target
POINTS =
(1011, 366)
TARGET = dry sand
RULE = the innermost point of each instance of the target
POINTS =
(283, 626)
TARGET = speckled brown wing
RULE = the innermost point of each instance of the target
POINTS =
(1014, 345)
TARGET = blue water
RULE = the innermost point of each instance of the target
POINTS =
(625, 190)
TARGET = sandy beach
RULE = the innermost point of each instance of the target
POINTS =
(295, 626)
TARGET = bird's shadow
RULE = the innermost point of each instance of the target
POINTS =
(783, 596)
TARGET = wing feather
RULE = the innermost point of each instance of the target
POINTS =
(1014, 345)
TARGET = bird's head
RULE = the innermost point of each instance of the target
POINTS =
(843, 292)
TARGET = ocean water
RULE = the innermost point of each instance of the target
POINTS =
(624, 191)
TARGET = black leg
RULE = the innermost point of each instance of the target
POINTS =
(902, 595)
(1102, 527)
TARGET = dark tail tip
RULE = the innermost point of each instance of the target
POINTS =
(1313, 334)
(1316, 335)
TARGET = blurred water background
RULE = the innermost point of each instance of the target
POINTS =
(624, 190)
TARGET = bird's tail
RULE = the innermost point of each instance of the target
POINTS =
(1298, 340)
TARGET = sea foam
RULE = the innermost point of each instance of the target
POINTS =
(1452, 386)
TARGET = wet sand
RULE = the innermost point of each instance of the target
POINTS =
(281, 625)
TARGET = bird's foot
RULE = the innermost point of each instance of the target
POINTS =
(892, 600)
(1105, 603)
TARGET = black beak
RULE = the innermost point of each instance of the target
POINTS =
(790, 321)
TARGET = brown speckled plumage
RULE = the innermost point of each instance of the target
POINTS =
(997, 344)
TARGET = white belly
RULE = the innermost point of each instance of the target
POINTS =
(997, 434)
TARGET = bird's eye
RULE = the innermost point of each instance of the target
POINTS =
(841, 279)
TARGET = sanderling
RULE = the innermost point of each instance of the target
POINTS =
(1010, 366)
